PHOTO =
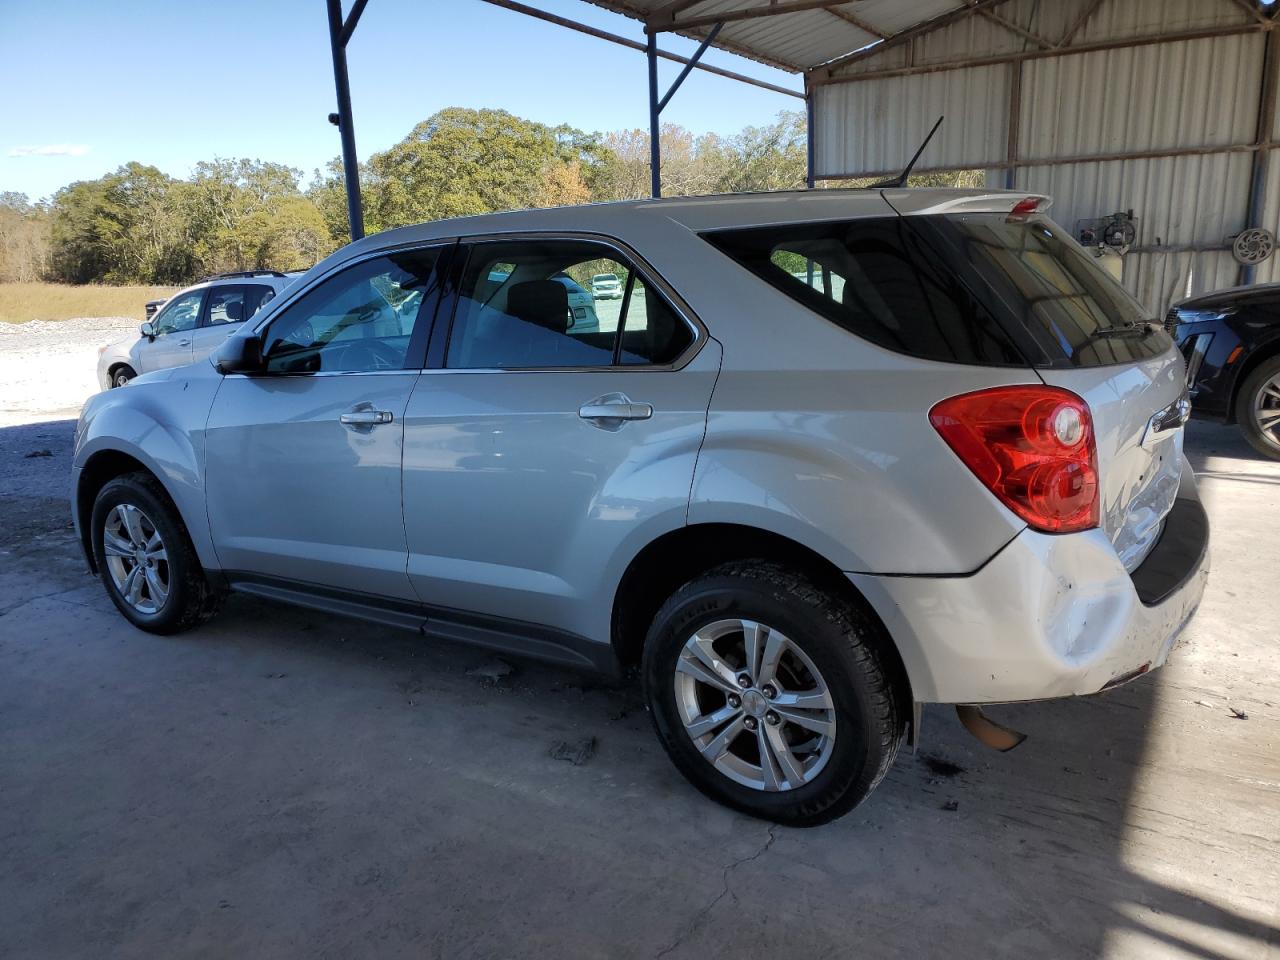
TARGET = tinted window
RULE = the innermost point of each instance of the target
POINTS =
(876, 278)
(1050, 287)
(226, 305)
(544, 303)
(181, 313)
(652, 333)
(256, 297)
(977, 289)
(359, 320)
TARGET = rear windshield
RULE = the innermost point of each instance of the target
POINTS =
(974, 289)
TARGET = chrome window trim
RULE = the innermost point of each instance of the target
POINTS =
(649, 275)
(408, 371)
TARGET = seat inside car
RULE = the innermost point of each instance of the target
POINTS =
(544, 303)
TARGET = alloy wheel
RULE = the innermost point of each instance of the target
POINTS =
(1266, 410)
(136, 558)
(755, 705)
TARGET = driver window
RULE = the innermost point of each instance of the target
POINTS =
(357, 321)
(180, 314)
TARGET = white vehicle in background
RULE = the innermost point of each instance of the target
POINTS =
(190, 325)
(606, 286)
(582, 308)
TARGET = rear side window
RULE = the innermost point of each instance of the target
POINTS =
(878, 279)
(541, 303)
(226, 305)
(256, 296)
(974, 288)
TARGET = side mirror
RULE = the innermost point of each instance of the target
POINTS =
(239, 355)
(149, 330)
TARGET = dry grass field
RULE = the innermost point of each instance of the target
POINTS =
(20, 302)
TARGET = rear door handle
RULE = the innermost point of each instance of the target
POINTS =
(609, 408)
(366, 417)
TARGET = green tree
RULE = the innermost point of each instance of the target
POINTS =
(462, 162)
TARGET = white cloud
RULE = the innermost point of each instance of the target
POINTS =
(50, 150)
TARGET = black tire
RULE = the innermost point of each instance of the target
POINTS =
(1245, 399)
(840, 641)
(190, 600)
(122, 374)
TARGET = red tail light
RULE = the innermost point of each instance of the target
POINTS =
(1033, 447)
(1026, 207)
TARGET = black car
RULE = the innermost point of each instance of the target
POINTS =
(1231, 342)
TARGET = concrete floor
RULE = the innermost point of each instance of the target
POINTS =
(280, 783)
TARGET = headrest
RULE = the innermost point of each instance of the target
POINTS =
(541, 302)
(235, 310)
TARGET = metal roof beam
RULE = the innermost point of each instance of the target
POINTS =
(1081, 20)
(857, 22)
(971, 8)
(349, 25)
(664, 19)
(1014, 28)
(823, 75)
(1072, 160)
(1252, 10)
(559, 21)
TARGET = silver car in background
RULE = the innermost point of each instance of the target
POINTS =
(189, 325)
(846, 452)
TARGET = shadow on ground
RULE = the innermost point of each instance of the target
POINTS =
(280, 782)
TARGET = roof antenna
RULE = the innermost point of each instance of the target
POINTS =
(901, 179)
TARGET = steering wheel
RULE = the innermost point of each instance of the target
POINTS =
(369, 355)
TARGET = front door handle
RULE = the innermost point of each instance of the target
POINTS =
(615, 406)
(184, 343)
(365, 417)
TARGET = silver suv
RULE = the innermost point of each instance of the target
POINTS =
(841, 454)
(189, 325)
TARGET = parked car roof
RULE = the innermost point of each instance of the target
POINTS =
(708, 212)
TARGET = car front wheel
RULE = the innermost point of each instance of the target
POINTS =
(1258, 408)
(771, 694)
(122, 375)
(145, 557)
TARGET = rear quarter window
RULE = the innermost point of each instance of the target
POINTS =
(879, 279)
(982, 289)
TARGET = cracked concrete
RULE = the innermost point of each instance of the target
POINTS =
(281, 783)
(724, 892)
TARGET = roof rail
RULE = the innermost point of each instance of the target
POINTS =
(245, 273)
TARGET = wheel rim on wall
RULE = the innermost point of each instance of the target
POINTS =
(136, 558)
(1266, 410)
(754, 705)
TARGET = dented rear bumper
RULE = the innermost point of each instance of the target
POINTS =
(1049, 615)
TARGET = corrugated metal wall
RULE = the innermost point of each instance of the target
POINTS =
(1199, 94)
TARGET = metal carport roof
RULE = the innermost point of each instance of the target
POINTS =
(797, 35)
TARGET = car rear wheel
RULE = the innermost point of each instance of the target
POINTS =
(1258, 408)
(122, 375)
(770, 694)
(145, 558)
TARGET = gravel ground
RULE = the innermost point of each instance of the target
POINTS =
(48, 368)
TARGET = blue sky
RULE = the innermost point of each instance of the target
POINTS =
(172, 83)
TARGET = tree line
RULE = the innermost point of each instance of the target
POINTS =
(139, 225)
